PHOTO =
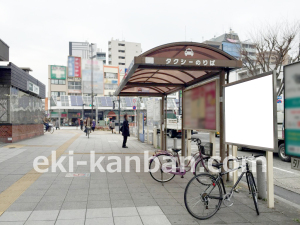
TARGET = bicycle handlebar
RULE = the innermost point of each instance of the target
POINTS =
(245, 157)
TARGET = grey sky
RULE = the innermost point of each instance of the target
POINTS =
(38, 31)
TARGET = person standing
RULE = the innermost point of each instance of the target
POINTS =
(112, 125)
(125, 131)
(57, 124)
(81, 124)
(93, 125)
(76, 124)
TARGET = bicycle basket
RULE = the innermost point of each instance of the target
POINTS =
(207, 148)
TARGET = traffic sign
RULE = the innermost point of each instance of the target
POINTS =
(134, 107)
(134, 100)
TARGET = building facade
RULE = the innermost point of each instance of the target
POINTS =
(121, 53)
(4, 51)
(22, 108)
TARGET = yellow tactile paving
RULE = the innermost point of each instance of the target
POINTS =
(11, 194)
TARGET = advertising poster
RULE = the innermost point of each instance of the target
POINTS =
(200, 107)
(292, 109)
(97, 76)
(58, 72)
(74, 67)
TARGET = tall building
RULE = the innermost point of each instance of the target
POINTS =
(79, 49)
(228, 42)
(121, 53)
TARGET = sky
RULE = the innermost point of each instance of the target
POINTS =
(38, 32)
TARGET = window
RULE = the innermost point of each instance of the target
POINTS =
(121, 63)
(55, 81)
(57, 93)
(110, 86)
(121, 57)
(123, 51)
(74, 85)
(111, 75)
(121, 44)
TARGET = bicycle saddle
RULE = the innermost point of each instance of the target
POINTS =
(217, 165)
(176, 150)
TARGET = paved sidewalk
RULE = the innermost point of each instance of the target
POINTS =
(101, 197)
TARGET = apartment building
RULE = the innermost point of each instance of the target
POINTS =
(121, 53)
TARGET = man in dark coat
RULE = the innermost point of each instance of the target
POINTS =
(125, 131)
(81, 124)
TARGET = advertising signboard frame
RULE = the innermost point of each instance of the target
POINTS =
(255, 121)
(217, 103)
(292, 103)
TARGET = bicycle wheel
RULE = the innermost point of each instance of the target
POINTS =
(156, 168)
(199, 168)
(51, 130)
(203, 199)
(253, 190)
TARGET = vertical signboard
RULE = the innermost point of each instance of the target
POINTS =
(201, 106)
(74, 67)
(292, 109)
(141, 127)
(97, 76)
(58, 72)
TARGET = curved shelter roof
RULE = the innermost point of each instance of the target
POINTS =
(171, 67)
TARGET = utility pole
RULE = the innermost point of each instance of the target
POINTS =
(92, 86)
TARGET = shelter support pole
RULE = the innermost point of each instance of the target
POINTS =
(270, 180)
(155, 137)
(165, 122)
(182, 127)
(227, 151)
(162, 122)
(212, 139)
(234, 163)
(222, 121)
(189, 146)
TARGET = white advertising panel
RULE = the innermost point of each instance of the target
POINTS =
(248, 126)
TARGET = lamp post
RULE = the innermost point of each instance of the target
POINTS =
(92, 78)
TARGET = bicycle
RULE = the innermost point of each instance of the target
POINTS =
(50, 129)
(166, 173)
(204, 193)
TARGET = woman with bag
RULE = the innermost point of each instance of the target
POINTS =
(125, 131)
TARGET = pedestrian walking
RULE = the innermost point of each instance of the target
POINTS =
(125, 131)
(57, 124)
(112, 125)
(93, 125)
(81, 124)
(87, 124)
(76, 124)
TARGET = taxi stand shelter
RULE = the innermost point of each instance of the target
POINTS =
(169, 68)
(176, 66)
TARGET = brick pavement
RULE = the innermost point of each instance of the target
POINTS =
(108, 198)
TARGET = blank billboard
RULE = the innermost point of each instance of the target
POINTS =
(250, 126)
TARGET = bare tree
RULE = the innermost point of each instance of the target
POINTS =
(275, 45)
